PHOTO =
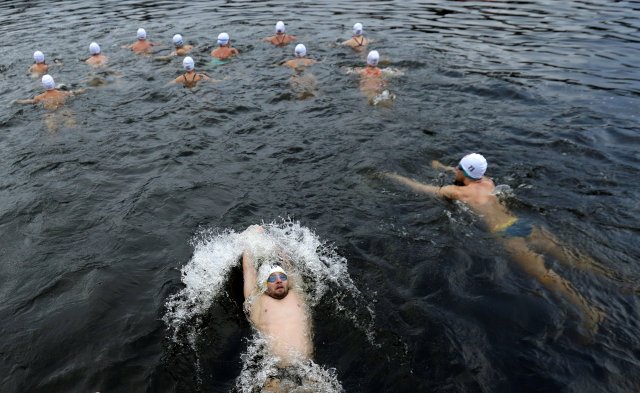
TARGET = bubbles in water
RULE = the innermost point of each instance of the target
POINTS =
(324, 277)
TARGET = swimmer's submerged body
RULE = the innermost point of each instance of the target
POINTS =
(519, 237)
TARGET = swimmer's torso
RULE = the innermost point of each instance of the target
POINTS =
(480, 197)
(286, 325)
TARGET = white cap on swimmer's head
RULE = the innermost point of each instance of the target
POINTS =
(357, 29)
(94, 48)
(177, 40)
(142, 34)
(48, 82)
(473, 166)
(373, 58)
(275, 269)
(280, 27)
(301, 50)
(223, 39)
(38, 56)
(188, 64)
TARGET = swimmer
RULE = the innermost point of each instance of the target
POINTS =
(142, 45)
(52, 98)
(224, 50)
(520, 238)
(39, 67)
(97, 59)
(281, 38)
(180, 48)
(372, 82)
(191, 77)
(358, 41)
(276, 308)
(301, 60)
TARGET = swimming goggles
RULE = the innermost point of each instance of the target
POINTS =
(272, 278)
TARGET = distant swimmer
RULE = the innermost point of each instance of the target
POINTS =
(358, 41)
(52, 98)
(301, 61)
(190, 78)
(276, 307)
(519, 236)
(97, 59)
(39, 67)
(281, 38)
(181, 49)
(224, 49)
(142, 45)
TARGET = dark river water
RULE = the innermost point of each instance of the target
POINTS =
(104, 202)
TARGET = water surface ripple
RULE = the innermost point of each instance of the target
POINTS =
(100, 202)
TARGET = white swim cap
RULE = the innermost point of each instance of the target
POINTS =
(275, 269)
(473, 165)
(177, 40)
(280, 27)
(223, 38)
(48, 82)
(357, 29)
(300, 50)
(94, 48)
(373, 58)
(142, 34)
(187, 63)
(38, 56)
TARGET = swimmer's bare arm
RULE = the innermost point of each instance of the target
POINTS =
(249, 274)
(27, 101)
(435, 164)
(450, 192)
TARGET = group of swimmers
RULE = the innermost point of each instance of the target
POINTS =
(371, 84)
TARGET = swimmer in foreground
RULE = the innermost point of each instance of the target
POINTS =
(52, 98)
(276, 308)
(301, 61)
(190, 78)
(142, 45)
(39, 67)
(358, 41)
(224, 50)
(97, 59)
(519, 237)
(281, 38)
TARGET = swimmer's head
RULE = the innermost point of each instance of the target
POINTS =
(48, 83)
(373, 58)
(188, 64)
(277, 283)
(94, 48)
(223, 39)
(280, 27)
(178, 41)
(357, 29)
(301, 50)
(141, 34)
(38, 56)
(473, 166)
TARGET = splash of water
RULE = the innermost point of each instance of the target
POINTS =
(321, 269)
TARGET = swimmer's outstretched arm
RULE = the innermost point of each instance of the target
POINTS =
(450, 192)
(249, 273)
(27, 101)
(435, 164)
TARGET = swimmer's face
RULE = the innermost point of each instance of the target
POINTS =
(459, 180)
(279, 288)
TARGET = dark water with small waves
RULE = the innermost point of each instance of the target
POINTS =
(101, 203)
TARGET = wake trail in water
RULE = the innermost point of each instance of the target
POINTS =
(324, 276)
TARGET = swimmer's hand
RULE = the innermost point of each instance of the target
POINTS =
(435, 164)
(78, 91)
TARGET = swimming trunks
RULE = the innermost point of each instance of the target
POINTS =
(515, 227)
